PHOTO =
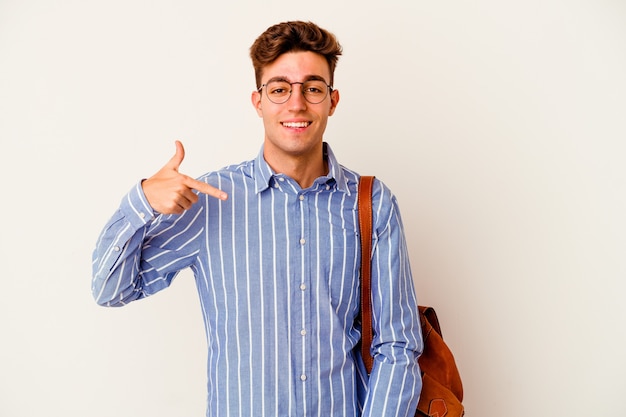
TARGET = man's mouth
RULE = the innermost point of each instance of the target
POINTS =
(296, 124)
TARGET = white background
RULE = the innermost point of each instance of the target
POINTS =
(498, 124)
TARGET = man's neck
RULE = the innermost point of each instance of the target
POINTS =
(304, 170)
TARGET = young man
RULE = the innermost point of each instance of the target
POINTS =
(274, 246)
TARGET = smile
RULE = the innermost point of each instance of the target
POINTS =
(296, 124)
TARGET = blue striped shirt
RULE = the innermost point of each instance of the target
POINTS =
(277, 270)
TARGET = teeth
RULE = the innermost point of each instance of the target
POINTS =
(296, 124)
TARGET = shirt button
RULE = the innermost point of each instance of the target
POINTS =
(303, 377)
(116, 248)
(301, 198)
(303, 332)
(281, 179)
(142, 215)
(327, 187)
(303, 287)
(302, 241)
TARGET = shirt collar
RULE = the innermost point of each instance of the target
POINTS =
(264, 175)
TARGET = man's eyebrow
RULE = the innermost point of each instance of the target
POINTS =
(279, 78)
(307, 78)
(314, 78)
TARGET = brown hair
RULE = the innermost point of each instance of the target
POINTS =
(293, 36)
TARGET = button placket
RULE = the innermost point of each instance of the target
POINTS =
(301, 198)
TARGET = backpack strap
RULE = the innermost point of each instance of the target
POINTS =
(365, 227)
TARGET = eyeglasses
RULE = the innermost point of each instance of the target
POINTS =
(279, 91)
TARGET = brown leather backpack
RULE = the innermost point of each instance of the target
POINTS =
(442, 389)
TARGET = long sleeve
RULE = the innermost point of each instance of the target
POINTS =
(138, 253)
(395, 381)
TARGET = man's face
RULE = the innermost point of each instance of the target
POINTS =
(295, 129)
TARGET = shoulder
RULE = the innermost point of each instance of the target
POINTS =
(381, 193)
(385, 207)
(228, 173)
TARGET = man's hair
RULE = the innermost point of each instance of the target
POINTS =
(294, 36)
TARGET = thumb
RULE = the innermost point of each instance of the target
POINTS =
(177, 159)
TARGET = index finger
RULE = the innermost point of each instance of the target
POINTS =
(205, 188)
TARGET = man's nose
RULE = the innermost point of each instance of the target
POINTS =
(296, 99)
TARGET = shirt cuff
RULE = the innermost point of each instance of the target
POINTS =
(135, 207)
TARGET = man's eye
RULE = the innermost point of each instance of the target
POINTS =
(314, 88)
(278, 89)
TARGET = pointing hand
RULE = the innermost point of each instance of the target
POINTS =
(170, 192)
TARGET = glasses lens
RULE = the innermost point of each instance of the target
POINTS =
(314, 91)
(278, 91)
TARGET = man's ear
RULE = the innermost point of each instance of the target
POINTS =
(334, 100)
(256, 102)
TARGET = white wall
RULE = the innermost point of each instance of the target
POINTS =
(498, 124)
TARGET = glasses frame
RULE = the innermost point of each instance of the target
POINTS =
(328, 92)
